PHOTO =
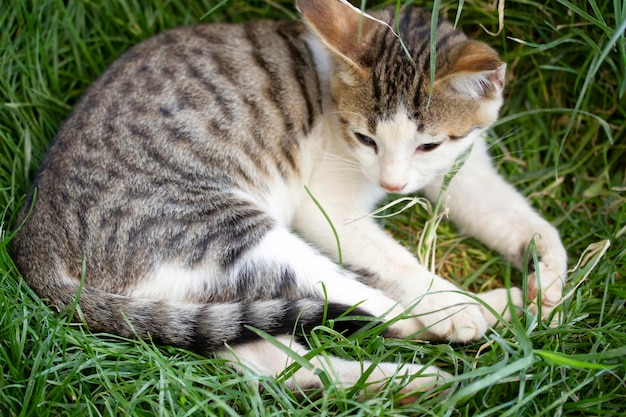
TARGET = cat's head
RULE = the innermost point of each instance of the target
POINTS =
(402, 131)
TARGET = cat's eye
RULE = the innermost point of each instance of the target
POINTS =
(366, 140)
(427, 147)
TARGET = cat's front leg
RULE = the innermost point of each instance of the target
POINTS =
(445, 311)
(484, 206)
(442, 309)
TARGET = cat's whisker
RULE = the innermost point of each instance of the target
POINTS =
(343, 162)
(496, 141)
(360, 116)
(339, 159)
(352, 172)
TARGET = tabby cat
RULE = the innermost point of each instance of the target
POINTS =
(173, 201)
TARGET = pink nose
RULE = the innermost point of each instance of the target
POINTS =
(392, 188)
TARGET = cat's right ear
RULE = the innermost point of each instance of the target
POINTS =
(344, 29)
(474, 70)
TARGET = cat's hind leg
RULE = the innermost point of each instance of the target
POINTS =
(279, 266)
(264, 358)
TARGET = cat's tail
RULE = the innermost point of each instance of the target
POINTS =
(204, 328)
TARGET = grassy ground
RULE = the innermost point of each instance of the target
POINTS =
(561, 140)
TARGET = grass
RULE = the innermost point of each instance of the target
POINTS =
(561, 140)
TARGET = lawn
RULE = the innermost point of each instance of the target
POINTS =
(561, 140)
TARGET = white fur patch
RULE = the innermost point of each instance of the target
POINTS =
(176, 282)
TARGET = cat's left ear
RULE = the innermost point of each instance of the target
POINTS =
(475, 71)
(346, 31)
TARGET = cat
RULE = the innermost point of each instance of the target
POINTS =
(174, 200)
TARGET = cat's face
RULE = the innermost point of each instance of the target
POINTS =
(402, 132)
(402, 152)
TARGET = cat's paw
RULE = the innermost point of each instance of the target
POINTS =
(451, 316)
(457, 317)
(546, 282)
(551, 282)
(498, 300)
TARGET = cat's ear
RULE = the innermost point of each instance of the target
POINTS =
(475, 71)
(346, 30)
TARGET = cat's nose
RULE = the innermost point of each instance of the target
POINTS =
(392, 188)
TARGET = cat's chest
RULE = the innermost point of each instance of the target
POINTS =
(328, 175)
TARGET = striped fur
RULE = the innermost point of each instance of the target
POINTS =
(174, 187)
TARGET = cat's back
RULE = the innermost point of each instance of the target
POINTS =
(193, 90)
(143, 164)
(223, 74)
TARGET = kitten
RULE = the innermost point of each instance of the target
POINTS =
(174, 188)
